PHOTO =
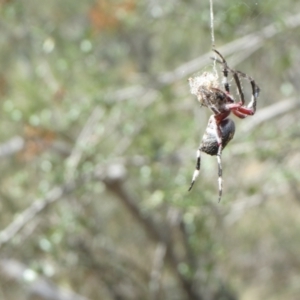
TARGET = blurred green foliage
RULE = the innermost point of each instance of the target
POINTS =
(99, 134)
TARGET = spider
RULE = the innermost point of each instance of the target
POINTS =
(220, 129)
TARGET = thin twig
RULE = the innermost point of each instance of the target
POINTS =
(29, 213)
(86, 137)
(40, 205)
(156, 233)
(239, 208)
(253, 40)
(39, 288)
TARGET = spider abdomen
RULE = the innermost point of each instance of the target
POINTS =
(209, 142)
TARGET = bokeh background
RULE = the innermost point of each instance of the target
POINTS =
(98, 140)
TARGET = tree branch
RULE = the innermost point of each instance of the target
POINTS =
(156, 233)
(38, 286)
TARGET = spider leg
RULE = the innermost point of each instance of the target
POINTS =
(219, 160)
(241, 110)
(239, 87)
(197, 169)
(239, 114)
(235, 77)
(254, 86)
(214, 125)
(255, 91)
(225, 70)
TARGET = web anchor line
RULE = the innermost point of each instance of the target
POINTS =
(213, 46)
